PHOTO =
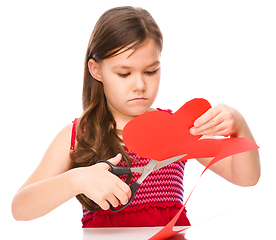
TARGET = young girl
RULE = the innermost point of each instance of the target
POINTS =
(121, 81)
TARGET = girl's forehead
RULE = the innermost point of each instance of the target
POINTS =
(148, 54)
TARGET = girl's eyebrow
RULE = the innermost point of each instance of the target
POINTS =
(128, 67)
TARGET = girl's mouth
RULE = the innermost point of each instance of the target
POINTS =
(137, 99)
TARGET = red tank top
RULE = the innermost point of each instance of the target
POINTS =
(157, 200)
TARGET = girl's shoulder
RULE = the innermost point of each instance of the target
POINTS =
(56, 159)
(63, 138)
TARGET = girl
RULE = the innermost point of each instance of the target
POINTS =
(121, 80)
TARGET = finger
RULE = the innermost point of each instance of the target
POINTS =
(121, 196)
(125, 188)
(117, 196)
(102, 202)
(107, 196)
(213, 125)
(121, 185)
(217, 130)
(207, 116)
(114, 201)
(104, 205)
(116, 159)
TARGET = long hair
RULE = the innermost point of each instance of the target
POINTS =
(117, 29)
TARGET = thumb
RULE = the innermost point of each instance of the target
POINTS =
(116, 159)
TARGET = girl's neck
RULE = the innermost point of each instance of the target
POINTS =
(122, 120)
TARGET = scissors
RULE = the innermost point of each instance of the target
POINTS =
(152, 166)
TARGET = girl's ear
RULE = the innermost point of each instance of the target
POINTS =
(94, 69)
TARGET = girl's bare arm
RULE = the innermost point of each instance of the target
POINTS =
(50, 184)
(53, 183)
(242, 169)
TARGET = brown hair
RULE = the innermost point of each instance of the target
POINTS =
(117, 29)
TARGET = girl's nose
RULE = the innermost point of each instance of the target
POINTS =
(139, 83)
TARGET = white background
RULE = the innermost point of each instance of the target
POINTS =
(223, 51)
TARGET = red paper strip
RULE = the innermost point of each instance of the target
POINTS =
(229, 147)
(159, 135)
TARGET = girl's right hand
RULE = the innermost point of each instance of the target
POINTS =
(102, 186)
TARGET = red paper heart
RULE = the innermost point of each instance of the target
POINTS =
(159, 135)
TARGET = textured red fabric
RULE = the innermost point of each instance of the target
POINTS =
(148, 217)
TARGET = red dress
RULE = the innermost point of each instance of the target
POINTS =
(157, 200)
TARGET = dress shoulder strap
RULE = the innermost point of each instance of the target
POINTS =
(73, 135)
(165, 110)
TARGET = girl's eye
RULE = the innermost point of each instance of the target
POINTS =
(150, 73)
(123, 75)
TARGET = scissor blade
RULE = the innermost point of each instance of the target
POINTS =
(147, 170)
(137, 169)
(168, 161)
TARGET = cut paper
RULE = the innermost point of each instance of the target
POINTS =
(155, 132)
(160, 135)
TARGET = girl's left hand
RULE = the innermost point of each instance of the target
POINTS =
(220, 120)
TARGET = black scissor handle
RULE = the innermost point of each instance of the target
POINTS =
(118, 171)
(133, 188)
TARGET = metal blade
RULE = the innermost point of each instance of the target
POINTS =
(147, 170)
(168, 161)
(137, 169)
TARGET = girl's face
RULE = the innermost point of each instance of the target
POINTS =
(131, 81)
